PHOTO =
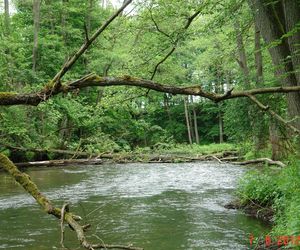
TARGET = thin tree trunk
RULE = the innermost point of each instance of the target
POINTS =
(190, 121)
(63, 22)
(36, 25)
(242, 54)
(195, 122)
(186, 112)
(259, 137)
(258, 58)
(89, 16)
(221, 127)
(166, 106)
(6, 17)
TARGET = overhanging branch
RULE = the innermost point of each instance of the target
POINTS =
(25, 181)
(7, 98)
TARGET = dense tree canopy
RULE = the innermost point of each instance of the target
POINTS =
(214, 46)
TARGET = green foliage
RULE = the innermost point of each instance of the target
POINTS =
(279, 190)
(259, 188)
(195, 149)
(123, 118)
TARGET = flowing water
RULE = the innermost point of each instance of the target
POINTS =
(155, 206)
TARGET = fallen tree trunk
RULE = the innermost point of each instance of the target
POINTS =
(261, 160)
(51, 163)
(56, 151)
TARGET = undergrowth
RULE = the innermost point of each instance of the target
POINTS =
(278, 189)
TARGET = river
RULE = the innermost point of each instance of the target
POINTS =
(155, 206)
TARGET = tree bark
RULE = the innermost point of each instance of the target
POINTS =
(186, 112)
(273, 19)
(260, 139)
(36, 27)
(51, 89)
(258, 58)
(292, 18)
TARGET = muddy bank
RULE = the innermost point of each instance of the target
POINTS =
(253, 210)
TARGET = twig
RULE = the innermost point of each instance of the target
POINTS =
(65, 208)
(157, 27)
(187, 25)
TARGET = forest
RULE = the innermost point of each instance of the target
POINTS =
(155, 81)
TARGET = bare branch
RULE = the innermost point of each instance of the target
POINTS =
(157, 27)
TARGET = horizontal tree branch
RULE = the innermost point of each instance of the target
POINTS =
(10, 98)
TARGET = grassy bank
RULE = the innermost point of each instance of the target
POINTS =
(278, 189)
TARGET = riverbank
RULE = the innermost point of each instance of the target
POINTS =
(272, 195)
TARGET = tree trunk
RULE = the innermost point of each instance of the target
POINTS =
(276, 142)
(195, 122)
(167, 106)
(63, 23)
(273, 20)
(242, 54)
(260, 139)
(292, 18)
(6, 17)
(89, 16)
(258, 58)
(221, 126)
(36, 25)
(186, 112)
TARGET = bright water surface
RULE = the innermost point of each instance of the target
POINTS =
(155, 206)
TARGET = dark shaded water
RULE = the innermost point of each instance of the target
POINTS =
(155, 206)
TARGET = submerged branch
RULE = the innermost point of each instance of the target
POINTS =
(71, 219)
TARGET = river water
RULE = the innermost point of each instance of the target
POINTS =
(155, 206)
